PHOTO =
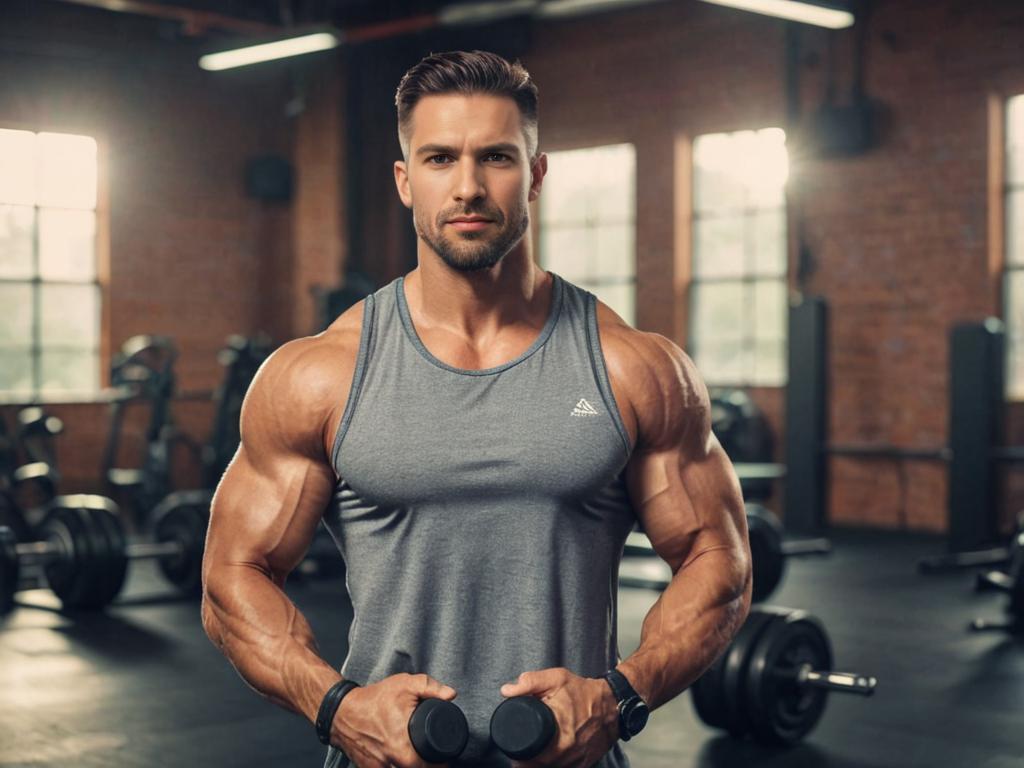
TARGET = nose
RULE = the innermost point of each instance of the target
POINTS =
(469, 185)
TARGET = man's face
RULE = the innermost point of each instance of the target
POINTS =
(468, 159)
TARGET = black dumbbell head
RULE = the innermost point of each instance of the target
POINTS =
(438, 730)
(522, 727)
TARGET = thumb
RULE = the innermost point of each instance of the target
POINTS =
(429, 688)
(528, 683)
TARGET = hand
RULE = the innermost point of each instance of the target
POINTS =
(372, 724)
(585, 710)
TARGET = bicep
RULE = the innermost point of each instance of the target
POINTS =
(688, 502)
(266, 510)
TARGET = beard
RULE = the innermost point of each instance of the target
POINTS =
(472, 251)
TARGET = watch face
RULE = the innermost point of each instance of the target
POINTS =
(636, 715)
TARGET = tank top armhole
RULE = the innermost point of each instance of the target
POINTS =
(601, 372)
(365, 338)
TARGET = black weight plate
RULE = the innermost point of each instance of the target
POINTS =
(186, 524)
(9, 570)
(111, 566)
(781, 710)
(12, 517)
(716, 694)
(768, 562)
(68, 574)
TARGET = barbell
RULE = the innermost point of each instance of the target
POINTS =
(773, 680)
(84, 555)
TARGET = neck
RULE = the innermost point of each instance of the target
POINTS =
(515, 291)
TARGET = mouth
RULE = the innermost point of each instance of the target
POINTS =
(469, 225)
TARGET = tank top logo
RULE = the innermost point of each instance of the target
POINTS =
(583, 408)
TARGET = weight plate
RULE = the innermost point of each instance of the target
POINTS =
(111, 566)
(767, 560)
(11, 517)
(64, 528)
(8, 570)
(781, 710)
(716, 694)
(183, 518)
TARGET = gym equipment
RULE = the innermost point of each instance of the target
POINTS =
(438, 730)
(772, 682)
(143, 373)
(28, 471)
(1010, 582)
(768, 553)
(522, 727)
(84, 554)
(743, 432)
(241, 358)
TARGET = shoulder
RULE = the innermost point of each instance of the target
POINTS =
(660, 384)
(299, 392)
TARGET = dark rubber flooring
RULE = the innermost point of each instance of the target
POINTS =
(142, 685)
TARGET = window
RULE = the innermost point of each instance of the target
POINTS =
(1013, 278)
(738, 295)
(588, 222)
(49, 291)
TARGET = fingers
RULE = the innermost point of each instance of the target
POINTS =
(536, 683)
(426, 687)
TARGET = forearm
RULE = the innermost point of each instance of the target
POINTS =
(265, 637)
(690, 624)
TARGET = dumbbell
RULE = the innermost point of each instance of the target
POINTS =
(772, 682)
(84, 554)
(768, 553)
(522, 727)
(438, 730)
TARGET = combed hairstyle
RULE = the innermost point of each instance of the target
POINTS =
(467, 72)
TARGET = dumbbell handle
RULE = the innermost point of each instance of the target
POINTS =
(838, 682)
(796, 547)
(42, 551)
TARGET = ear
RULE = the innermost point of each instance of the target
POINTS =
(402, 182)
(538, 170)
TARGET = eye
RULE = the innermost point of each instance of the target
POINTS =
(432, 158)
(501, 157)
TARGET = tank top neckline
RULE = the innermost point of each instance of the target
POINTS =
(414, 338)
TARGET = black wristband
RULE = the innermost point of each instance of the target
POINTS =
(329, 707)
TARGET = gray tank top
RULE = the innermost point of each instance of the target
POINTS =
(481, 513)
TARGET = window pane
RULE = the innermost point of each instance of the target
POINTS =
(717, 312)
(1015, 227)
(621, 298)
(720, 361)
(745, 169)
(1015, 367)
(567, 251)
(16, 317)
(716, 185)
(563, 198)
(1015, 140)
(69, 371)
(16, 241)
(17, 161)
(612, 192)
(16, 371)
(768, 230)
(719, 246)
(67, 244)
(616, 252)
(770, 310)
(770, 362)
(70, 315)
(67, 170)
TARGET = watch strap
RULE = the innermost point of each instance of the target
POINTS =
(329, 708)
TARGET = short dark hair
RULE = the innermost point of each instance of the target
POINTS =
(467, 72)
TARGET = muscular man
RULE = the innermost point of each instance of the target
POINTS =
(479, 438)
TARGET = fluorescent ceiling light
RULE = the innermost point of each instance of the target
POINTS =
(476, 13)
(806, 12)
(253, 54)
(552, 9)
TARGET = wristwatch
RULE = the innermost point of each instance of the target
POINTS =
(633, 711)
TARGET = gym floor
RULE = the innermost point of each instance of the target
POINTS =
(142, 686)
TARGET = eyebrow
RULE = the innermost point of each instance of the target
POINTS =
(434, 149)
